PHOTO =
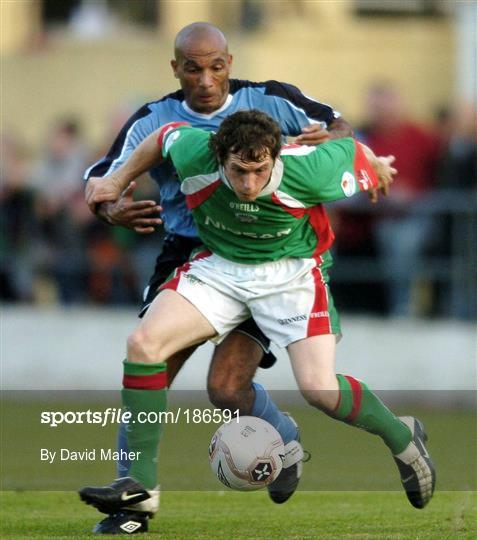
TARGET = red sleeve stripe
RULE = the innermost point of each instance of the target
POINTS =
(362, 169)
(167, 128)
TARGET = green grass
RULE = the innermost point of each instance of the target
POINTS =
(228, 515)
(350, 488)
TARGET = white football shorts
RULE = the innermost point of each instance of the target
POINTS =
(289, 299)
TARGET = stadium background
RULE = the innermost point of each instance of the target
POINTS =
(78, 68)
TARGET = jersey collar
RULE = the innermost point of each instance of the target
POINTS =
(275, 178)
(227, 102)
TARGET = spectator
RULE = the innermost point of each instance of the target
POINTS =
(458, 161)
(18, 224)
(119, 260)
(57, 178)
(402, 233)
(457, 181)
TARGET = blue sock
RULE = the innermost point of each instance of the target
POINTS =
(123, 465)
(265, 408)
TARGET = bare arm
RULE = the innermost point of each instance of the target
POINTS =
(109, 188)
(139, 216)
(314, 134)
(340, 128)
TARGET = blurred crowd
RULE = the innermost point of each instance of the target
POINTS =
(401, 257)
(53, 250)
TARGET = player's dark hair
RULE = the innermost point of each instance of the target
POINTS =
(250, 134)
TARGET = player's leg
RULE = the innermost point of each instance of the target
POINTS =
(230, 380)
(172, 323)
(230, 386)
(174, 364)
(299, 313)
(231, 371)
(348, 399)
(174, 253)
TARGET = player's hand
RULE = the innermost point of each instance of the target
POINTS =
(313, 135)
(100, 190)
(140, 216)
(385, 173)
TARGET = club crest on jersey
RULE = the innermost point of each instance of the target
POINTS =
(348, 184)
(246, 218)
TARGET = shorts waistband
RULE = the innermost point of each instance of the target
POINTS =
(226, 263)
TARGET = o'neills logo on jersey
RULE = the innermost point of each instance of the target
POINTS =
(244, 207)
(263, 236)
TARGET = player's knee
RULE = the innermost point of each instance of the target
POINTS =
(313, 398)
(320, 395)
(224, 396)
(140, 348)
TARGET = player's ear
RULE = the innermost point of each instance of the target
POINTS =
(174, 68)
(230, 61)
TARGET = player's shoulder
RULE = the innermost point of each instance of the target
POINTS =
(270, 87)
(191, 155)
(188, 146)
(185, 128)
(166, 105)
(172, 97)
(152, 114)
(297, 151)
(303, 164)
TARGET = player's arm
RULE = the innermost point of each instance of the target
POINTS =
(140, 216)
(147, 155)
(309, 120)
(384, 171)
(341, 169)
(315, 134)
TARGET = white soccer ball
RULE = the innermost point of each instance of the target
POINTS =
(246, 454)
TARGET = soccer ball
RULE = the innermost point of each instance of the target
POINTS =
(246, 454)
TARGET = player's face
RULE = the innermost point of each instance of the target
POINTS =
(248, 178)
(203, 69)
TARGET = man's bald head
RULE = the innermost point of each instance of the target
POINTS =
(199, 32)
(202, 64)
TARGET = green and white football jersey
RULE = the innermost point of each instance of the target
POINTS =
(288, 218)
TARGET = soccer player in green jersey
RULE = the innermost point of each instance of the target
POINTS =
(258, 209)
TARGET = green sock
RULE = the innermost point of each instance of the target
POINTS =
(360, 407)
(145, 390)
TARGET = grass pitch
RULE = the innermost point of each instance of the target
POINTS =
(350, 488)
(227, 515)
